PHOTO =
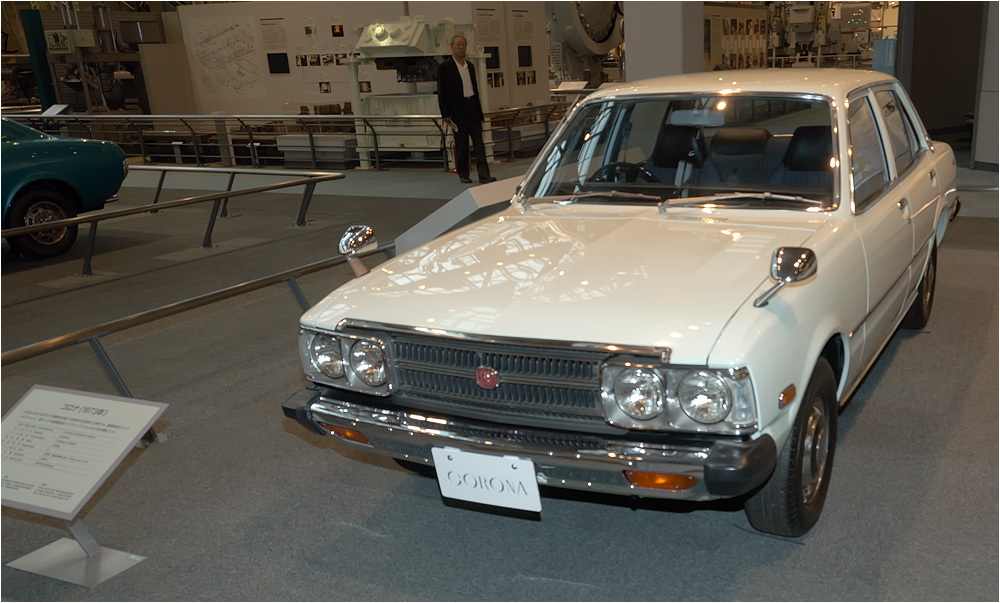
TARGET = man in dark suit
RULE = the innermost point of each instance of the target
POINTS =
(458, 98)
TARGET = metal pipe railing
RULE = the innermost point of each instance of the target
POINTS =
(309, 182)
(341, 140)
(85, 335)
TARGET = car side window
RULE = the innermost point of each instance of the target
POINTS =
(868, 168)
(901, 136)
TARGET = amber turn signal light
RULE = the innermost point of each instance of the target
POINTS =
(345, 433)
(660, 481)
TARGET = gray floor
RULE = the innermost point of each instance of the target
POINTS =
(239, 503)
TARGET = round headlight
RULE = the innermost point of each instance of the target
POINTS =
(368, 362)
(326, 355)
(639, 393)
(704, 397)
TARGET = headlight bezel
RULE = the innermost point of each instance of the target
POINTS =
(740, 419)
(350, 379)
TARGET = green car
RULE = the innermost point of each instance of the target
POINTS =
(48, 178)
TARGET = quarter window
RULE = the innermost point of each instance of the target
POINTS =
(868, 168)
(901, 136)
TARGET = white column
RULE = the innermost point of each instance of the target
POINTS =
(663, 38)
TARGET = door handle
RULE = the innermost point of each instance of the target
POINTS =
(932, 175)
(902, 204)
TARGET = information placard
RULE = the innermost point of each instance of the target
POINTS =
(60, 445)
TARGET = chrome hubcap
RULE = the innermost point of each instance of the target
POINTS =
(815, 449)
(40, 213)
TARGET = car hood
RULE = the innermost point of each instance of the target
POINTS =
(588, 274)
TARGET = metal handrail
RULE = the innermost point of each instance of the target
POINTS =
(368, 140)
(309, 182)
(155, 207)
(83, 335)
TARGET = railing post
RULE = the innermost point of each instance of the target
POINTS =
(312, 145)
(159, 186)
(109, 367)
(207, 242)
(307, 194)
(225, 202)
(194, 141)
(89, 253)
(369, 126)
(253, 149)
(297, 292)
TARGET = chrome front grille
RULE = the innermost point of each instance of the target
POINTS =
(538, 386)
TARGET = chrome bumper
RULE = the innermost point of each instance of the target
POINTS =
(723, 468)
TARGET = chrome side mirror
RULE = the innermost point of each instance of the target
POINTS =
(788, 265)
(357, 239)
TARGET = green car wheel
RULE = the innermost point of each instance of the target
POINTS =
(38, 206)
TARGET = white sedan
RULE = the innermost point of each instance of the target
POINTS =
(694, 275)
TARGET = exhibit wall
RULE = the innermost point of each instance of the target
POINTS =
(272, 58)
(280, 57)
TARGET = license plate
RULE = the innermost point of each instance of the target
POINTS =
(502, 481)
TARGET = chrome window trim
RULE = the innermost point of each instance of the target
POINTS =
(890, 166)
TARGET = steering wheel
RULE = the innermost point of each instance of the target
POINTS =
(631, 171)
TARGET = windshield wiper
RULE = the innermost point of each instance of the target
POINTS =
(574, 197)
(690, 201)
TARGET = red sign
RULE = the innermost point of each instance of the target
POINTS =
(487, 377)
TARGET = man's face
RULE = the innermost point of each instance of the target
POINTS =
(458, 47)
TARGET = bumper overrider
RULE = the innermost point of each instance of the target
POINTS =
(703, 468)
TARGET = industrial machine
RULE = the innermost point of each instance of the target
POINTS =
(583, 38)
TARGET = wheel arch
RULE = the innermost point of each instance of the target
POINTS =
(835, 353)
(62, 187)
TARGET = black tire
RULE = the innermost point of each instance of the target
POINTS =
(791, 501)
(38, 206)
(920, 311)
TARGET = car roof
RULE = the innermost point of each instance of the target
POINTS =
(834, 83)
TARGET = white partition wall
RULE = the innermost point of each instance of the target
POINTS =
(663, 38)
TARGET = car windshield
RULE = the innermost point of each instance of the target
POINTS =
(733, 150)
(15, 131)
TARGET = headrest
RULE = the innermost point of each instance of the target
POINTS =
(740, 141)
(810, 149)
(679, 143)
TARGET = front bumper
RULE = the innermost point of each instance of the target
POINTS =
(723, 468)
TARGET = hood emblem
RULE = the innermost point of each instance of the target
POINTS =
(487, 377)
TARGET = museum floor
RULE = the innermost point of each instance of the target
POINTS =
(236, 502)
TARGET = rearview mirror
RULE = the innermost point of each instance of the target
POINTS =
(357, 239)
(788, 265)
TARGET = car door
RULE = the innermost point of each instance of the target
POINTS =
(883, 218)
(913, 166)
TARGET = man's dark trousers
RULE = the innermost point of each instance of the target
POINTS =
(469, 127)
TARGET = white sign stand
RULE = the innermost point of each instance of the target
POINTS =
(59, 446)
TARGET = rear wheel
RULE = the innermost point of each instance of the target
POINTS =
(920, 312)
(792, 499)
(37, 207)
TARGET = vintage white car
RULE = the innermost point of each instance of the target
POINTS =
(693, 277)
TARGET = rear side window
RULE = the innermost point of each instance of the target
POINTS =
(900, 131)
(868, 168)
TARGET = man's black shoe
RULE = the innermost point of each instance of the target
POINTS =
(465, 179)
(487, 180)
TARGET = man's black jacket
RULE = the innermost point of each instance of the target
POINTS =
(451, 94)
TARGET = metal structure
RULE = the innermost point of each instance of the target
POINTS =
(310, 142)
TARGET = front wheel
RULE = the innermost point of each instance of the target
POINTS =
(790, 503)
(37, 207)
